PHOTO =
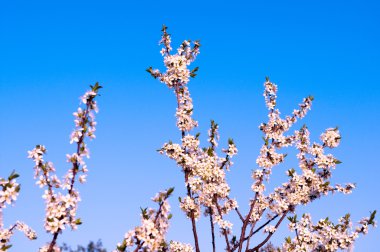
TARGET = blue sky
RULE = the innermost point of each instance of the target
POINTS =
(50, 51)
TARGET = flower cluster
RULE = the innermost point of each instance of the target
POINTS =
(180, 247)
(205, 177)
(177, 75)
(189, 206)
(5, 234)
(61, 207)
(325, 235)
(270, 229)
(9, 190)
(313, 182)
(150, 236)
(331, 138)
(8, 194)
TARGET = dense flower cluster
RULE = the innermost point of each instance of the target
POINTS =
(331, 138)
(5, 234)
(61, 207)
(205, 177)
(9, 190)
(8, 194)
(150, 236)
(325, 235)
(189, 206)
(180, 247)
(177, 75)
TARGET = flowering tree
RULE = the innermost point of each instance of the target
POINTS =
(204, 173)
(207, 191)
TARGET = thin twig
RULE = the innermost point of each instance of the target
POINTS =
(261, 227)
(194, 227)
(212, 229)
(246, 221)
(249, 237)
(251, 232)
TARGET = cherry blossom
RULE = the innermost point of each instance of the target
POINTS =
(8, 195)
(150, 236)
(61, 206)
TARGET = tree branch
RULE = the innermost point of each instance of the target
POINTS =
(212, 229)
(261, 227)
(256, 249)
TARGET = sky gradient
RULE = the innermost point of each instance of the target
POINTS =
(50, 52)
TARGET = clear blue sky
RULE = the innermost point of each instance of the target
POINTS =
(50, 51)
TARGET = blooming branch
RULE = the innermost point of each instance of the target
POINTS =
(150, 236)
(8, 195)
(205, 171)
(325, 235)
(61, 207)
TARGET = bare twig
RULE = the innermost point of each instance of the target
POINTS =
(212, 229)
